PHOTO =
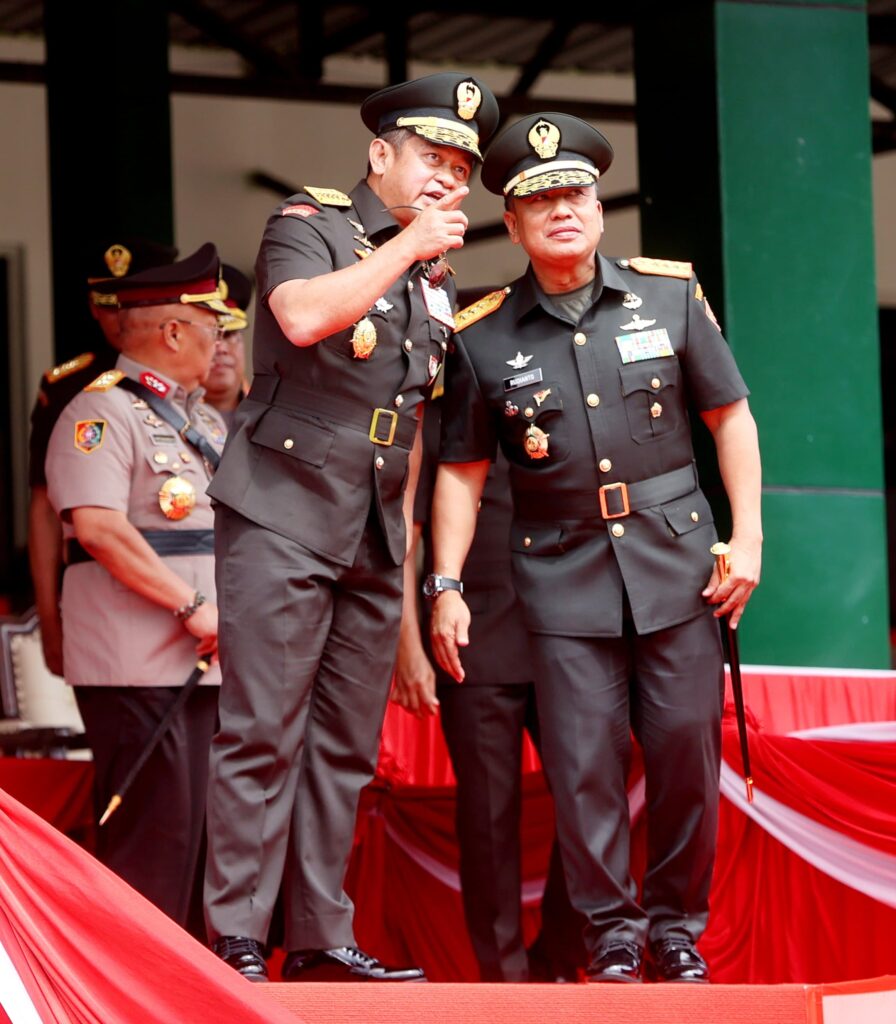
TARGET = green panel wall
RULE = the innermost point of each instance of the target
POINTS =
(769, 111)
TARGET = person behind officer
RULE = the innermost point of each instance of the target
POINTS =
(350, 333)
(581, 370)
(484, 721)
(112, 259)
(128, 465)
(225, 386)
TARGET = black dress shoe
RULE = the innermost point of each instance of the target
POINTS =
(620, 961)
(347, 963)
(676, 959)
(244, 955)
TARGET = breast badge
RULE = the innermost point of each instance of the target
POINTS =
(631, 301)
(535, 442)
(519, 361)
(510, 409)
(363, 338)
(637, 324)
(89, 435)
(177, 497)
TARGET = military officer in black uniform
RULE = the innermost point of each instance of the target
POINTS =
(484, 720)
(582, 370)
(128, 465)
(351, 330)
(112, 259)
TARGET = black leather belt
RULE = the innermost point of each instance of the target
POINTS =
(382, 426)
(163, 542)
(612, 501)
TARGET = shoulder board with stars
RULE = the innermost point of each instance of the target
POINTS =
(106, 381)
(662, 268)
(480, 308)
(69, 367)
(328, 196)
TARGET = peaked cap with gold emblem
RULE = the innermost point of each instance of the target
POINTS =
(111, 259)
(237, 299)
(449, 108)
(195, 280)
(545, 151)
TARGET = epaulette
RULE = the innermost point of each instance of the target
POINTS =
(480, 308)
(69, 367)
(106, 381)
(328, 196)
(664, 268)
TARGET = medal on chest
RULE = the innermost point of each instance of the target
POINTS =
(363, 338)
(535, 442)
(177, 498)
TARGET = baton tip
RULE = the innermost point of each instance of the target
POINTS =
(112, 807)
(749, 783)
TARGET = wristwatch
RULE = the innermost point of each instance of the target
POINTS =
(434, 584)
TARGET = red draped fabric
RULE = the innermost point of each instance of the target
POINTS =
(775, 917)
(79, 946)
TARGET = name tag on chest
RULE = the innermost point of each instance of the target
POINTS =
(437, 303)
(522, 379)
(644, 345)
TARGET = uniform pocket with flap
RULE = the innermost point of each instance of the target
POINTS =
(299, 438)
(654, 403)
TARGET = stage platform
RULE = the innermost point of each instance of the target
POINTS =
(860, 1002)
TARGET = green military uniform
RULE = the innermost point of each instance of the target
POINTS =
(610, 541)
(310, 541)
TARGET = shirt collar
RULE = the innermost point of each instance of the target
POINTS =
(527, 293)
(371, 214)
(176, 392)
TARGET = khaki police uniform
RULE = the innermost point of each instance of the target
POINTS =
(610, 550)
(125, 655)
(484, 720)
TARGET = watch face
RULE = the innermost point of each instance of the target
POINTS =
(429, 586)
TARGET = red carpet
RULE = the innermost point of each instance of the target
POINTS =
(871, 1002)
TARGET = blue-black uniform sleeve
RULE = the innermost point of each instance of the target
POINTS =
(294, 245)
(468, 430)
(711, 372)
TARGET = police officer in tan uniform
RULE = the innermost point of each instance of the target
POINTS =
(353, 321)
(225, 386)
(582, 371)
(111, 259)
(128, 467)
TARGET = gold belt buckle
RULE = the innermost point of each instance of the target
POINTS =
(603, 500)
(374, 422)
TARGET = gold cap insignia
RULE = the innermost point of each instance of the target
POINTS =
(536, 443)
(469, 99)
(544, 138)
(177, 497)
(89, 435)
(363, 338)
(118, 260)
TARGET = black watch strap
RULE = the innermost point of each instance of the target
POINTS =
(434, 584)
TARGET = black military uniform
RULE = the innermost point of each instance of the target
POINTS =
(484, 720)
(310, 543)
(113, 260)
(610, 541)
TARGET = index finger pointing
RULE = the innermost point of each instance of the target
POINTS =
(452, 200)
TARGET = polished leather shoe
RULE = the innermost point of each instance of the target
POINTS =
(245, 956)
(676, 959)
(347, 963)
(620, 962)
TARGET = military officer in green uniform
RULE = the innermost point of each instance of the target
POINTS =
(582, 370)
(112, 259)
(353, 321)
(128, 465)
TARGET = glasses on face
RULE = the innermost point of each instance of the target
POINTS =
(217, 333)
